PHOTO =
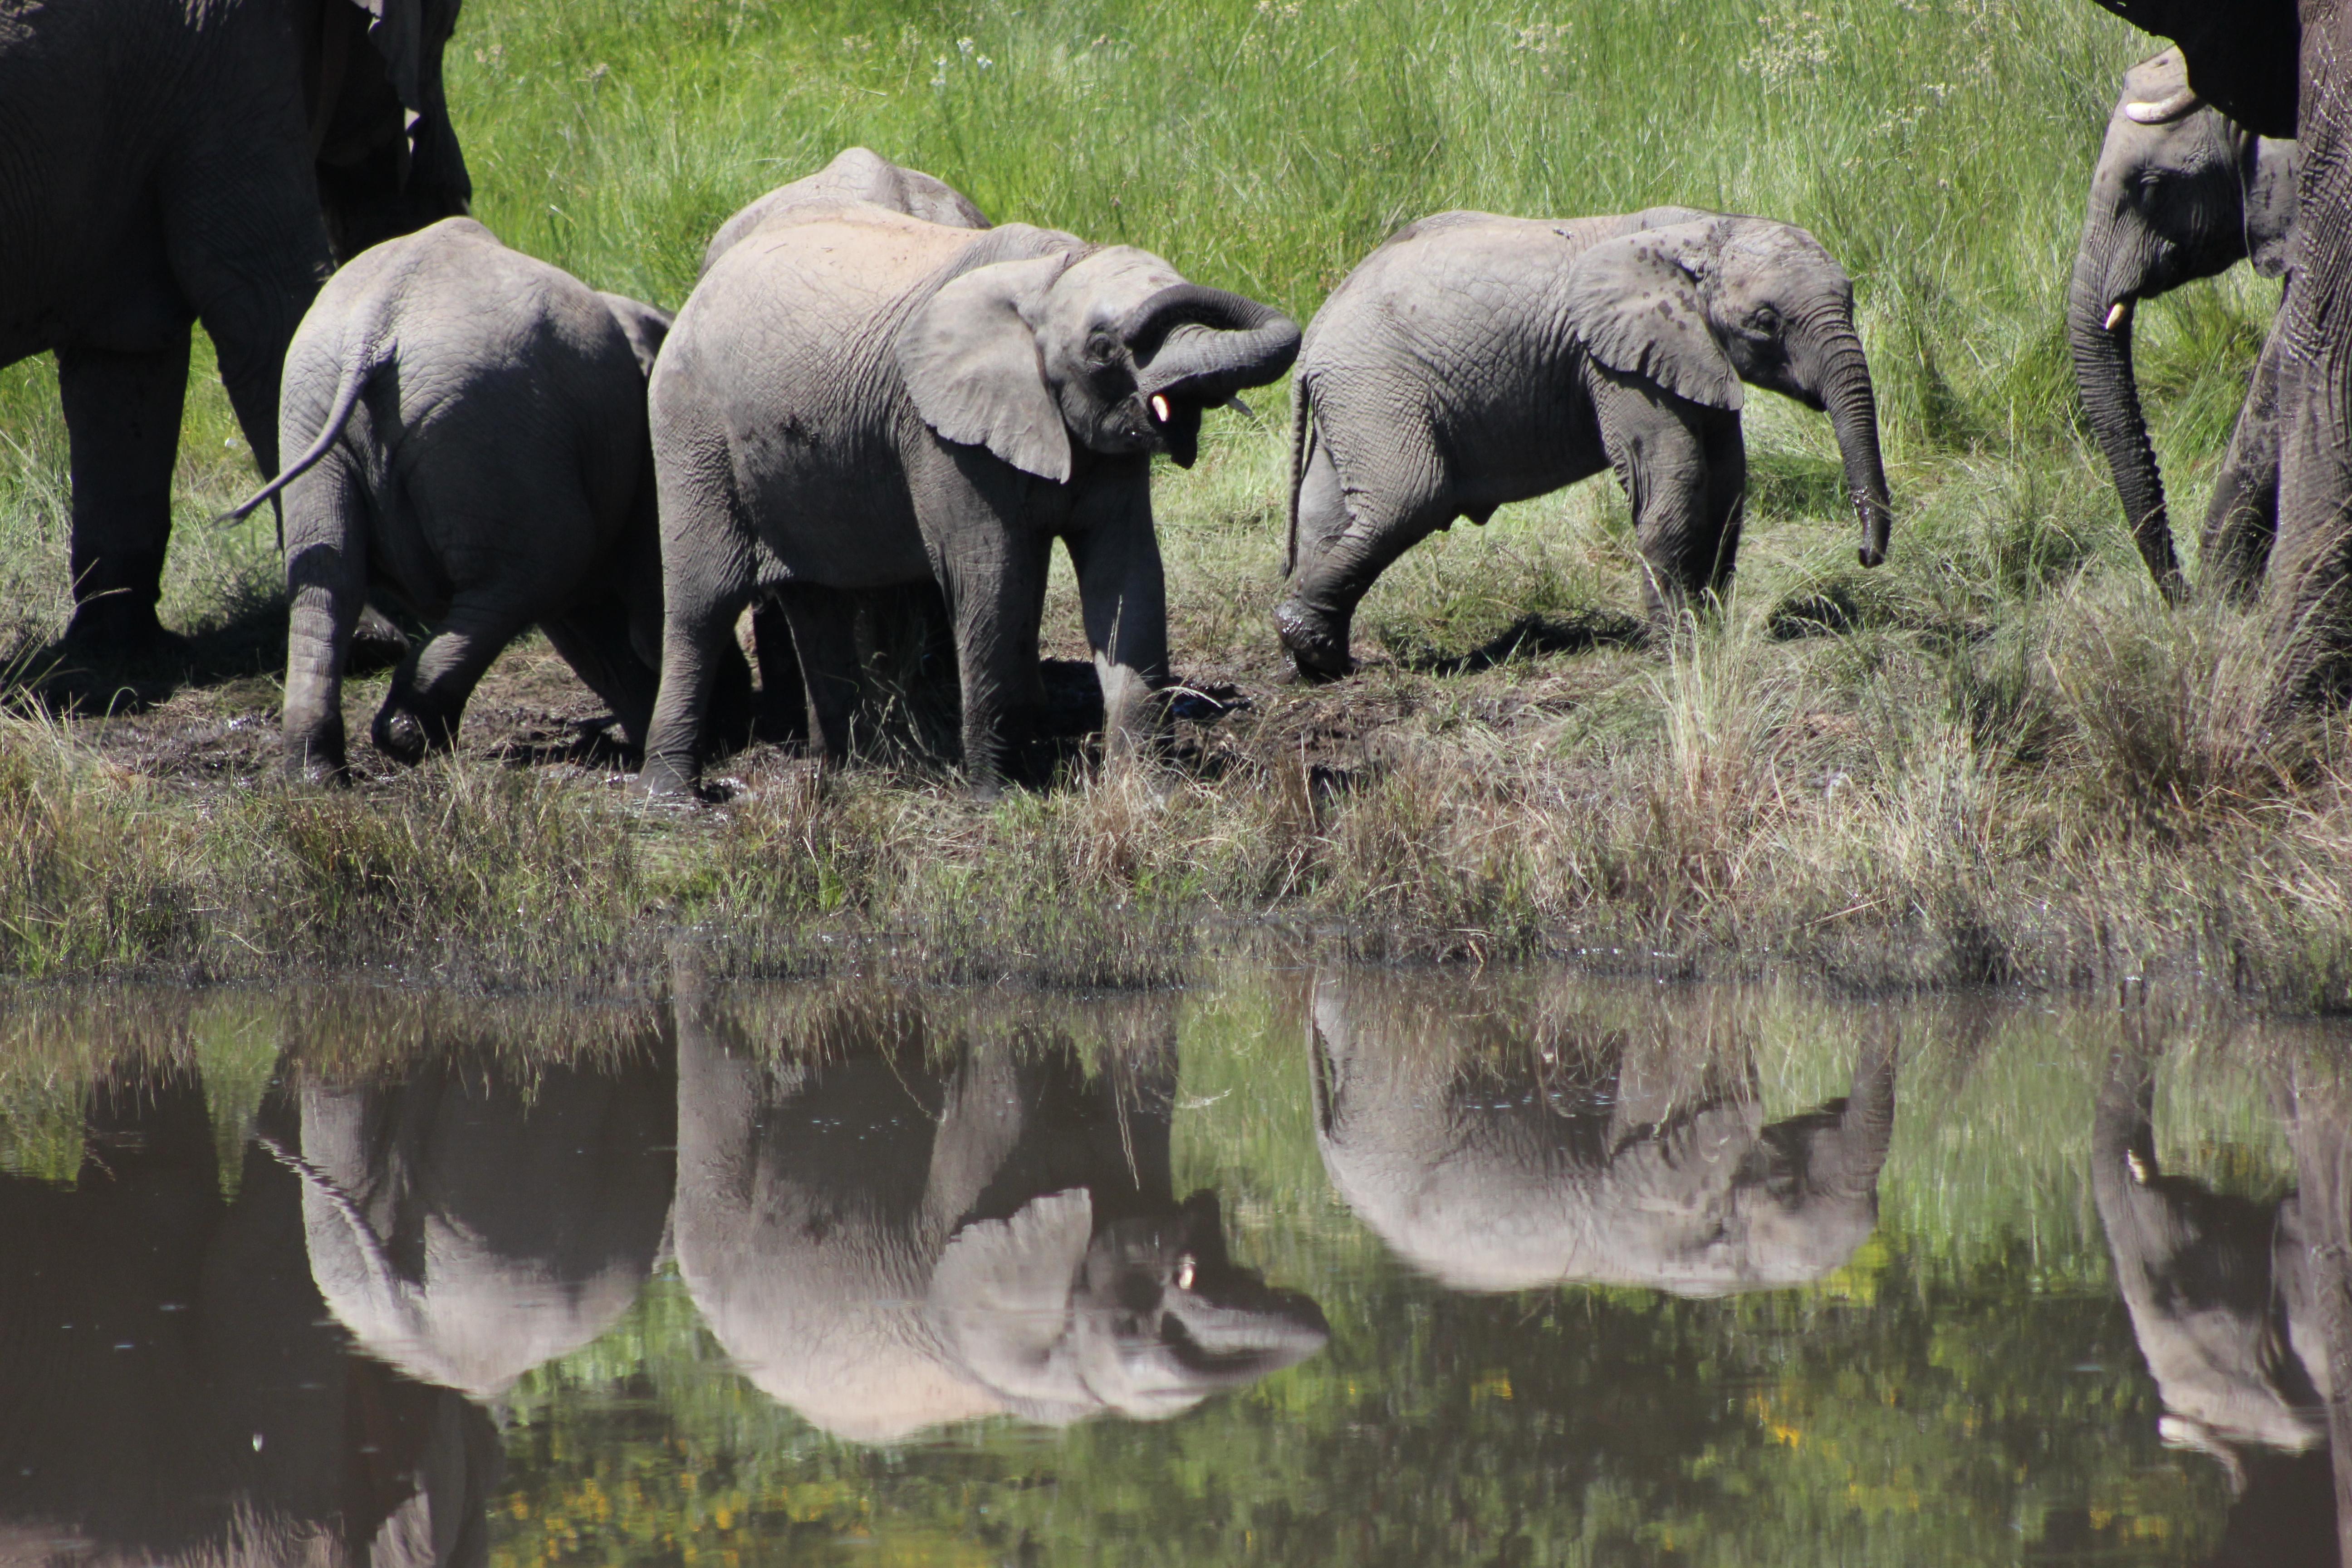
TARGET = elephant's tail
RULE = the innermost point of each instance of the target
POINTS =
(1302, 437)
(357, 374)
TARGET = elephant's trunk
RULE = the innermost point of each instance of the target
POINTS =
(1854, 415)
(1866, 1127)
(1203, 345)
(2099, 333)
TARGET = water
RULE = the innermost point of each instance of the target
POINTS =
(1345, 1268)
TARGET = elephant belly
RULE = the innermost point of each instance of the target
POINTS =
(836, 513)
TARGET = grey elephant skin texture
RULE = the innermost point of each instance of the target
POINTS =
(896, 1219)
(893, 617)
(2283, 69)
(176, 1391)
(1507, 1151)
(2225, 1295)
(861, 400)
(2180, 192)
(467, 1223)
(471, 426)
(164, 163)
(1475, 360)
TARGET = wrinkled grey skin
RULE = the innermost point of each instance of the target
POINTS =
(2225, 1295)
(472, 429)
(1475, 360)
(862, 400)
(149, 1455)
(1498, 1154)
(2180, 192)
(166, 163)
(467, 1223)
(898, 1222)
(855, 174)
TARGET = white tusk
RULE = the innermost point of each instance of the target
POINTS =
(2119, 314)
(2143, 113)
(1184, 1272)
(1160, 408)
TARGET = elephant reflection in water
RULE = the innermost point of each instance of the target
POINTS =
(1499, 1151)
(171, 1387)
(903, 1220)
(2228, 1301)
(470, 1221)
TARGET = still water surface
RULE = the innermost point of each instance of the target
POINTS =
(1342, 1266)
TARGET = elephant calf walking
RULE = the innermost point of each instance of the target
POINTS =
(472, 430)
(1474, 359)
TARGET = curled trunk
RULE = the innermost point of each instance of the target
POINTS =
(1203, 345)
(2103, 370)
(1866, 1127)
(1854, 415)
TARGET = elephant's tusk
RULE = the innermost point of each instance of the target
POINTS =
(2142, 113)
(1160, 408)
(1184, 1272)
(2118, 313)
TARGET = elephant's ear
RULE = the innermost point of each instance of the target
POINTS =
(970, 362)
(1637, 310)
(1000, 1298)
(644, 326)
(397, 29)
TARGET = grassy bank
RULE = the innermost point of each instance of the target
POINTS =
(1996, 759)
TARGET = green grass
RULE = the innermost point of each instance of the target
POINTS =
(2009, 763)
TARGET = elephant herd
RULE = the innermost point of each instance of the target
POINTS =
(872, 397)
(888, 1216)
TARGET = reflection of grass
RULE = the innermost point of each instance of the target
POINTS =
(2002, 761)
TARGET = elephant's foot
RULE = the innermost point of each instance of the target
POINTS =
(406, 735)
(376, 645)
(668, 779)
(318, 763)
(120, 628)
(1319, 650)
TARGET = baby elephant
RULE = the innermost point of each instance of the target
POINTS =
(1474, 359)
(472, 430)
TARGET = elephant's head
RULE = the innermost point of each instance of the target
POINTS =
(1146, 1316)
(1108, 349)
(1505, 1153)
(1700, 307)
(2180, 192)
(386, 153)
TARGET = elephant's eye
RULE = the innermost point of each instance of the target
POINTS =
(1764, 319)
(1102, 349)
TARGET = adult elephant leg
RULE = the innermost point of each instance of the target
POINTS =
(1122, 595)
(122, 429)
(822, 624)
(1660, 448)
(2242, 520)
(428, 694)
(594, 641)
(326, 584)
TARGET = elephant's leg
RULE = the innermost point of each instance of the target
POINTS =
(996, 591)
(2242, 520)
(823, 628)
(783, 709)
(1123, 598)
(326, 585)
(1345, 540)
(122, 429)
(428, 694)
(1726, 497)
(593, 639)
(1661, 452)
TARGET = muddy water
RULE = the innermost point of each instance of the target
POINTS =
(1340, 1268)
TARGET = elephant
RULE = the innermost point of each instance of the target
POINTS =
(855, 174)
(2284, 67)
(907, 1217)
(864, 400)
(471, 424)
(177, 1392)
(1475, 360)
(2180, 193)
(468, 1221)
(2223, 1296)
(1497, 1153)
(175, 162)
